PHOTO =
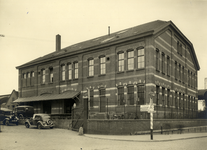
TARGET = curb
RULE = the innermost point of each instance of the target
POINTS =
(165, 140)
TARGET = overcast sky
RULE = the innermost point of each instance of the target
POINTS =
(30, 26)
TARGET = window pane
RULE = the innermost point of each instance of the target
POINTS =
(91, 68)
(121, 61)
(130, 63)
(76, 70)
(102, 65)
(121, 95)
(140, 52)
(63, 72)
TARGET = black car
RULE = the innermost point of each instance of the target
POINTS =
(24, 111)
(7, 117)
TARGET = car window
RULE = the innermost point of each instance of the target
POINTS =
(37, 118)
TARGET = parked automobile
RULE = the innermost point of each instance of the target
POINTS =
(7, 117)
(39, 121)
(24, 111)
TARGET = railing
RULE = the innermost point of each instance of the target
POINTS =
(111, 111)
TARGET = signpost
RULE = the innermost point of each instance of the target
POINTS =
(151, 110)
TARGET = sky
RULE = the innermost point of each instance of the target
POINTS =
(28, 27)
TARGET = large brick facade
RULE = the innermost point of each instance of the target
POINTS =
(119, 71)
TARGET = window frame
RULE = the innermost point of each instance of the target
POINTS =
(141, 94)
(43, 75)
(157, 59)
(163, 63)
(130, 59)
(90, 67)
(141, 56)
(130, 94)
(168, 66)
(121, 95)
(63, 71)
(120, 61)
(51, 75)
(70, 71)
(76, 70)
(102, 62)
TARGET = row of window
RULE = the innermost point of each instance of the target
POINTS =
(164, 67)
(131, 58)
(160, 66)
(121, 100)
(70, 71)
(178, 102)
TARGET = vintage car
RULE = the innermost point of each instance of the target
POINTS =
(7, 117)
(24, 111)
(39, 121)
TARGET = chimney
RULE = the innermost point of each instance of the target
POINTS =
(58, 43)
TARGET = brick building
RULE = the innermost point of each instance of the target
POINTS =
(116, 72)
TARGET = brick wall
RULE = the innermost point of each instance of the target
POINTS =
(118, 127)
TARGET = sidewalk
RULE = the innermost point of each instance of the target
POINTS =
(147, 137)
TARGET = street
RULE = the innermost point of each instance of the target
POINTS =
(20, 138)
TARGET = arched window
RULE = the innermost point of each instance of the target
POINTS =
(76, 70)
(157, 59)
(91, 67)
(51, 74)
(140, 57)
(102, 60)
(69, 71)
(130, 58)
(121, 61)
(43, 76)
(63, 72)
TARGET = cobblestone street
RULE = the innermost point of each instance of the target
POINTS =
(21, 138)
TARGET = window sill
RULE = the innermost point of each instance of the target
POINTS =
(140, 69)
(42, 83)
(101, 75)
(75, 79)
(90, 76)
(130, 70)
(120, 72)
(62, 81)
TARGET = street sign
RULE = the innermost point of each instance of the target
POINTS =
(144, 108)
(151, 108)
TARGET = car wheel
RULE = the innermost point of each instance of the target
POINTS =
(51, 127)
(39, 126)
(7, 122)
(17, 123)
(27, 125)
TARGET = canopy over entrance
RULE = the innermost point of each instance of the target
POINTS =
(46, 97)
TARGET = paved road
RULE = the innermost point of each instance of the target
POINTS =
(21, 138)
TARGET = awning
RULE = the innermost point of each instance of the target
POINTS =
(65, 95)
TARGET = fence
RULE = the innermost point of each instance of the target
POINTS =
(111, 110)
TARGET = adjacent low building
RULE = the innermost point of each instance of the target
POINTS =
(116, 73)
